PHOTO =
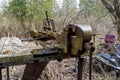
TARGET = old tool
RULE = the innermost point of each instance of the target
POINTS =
(74, 38)
(75, 41)
(48, 24)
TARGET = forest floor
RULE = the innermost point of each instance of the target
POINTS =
(64, 70)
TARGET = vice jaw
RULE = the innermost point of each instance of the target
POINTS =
(74, 37)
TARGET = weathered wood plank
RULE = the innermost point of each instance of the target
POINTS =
(31, 56)
(33, 70)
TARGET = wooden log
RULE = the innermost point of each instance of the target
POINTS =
(33, 70)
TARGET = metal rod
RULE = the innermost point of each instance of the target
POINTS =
(92, 49)
(90, 66)
(94, 35)
(80, 68)
(47, 18)
(0, 73)
(7, 70)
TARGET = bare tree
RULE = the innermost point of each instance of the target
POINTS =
(113, 6)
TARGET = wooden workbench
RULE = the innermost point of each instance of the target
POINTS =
(35, 60)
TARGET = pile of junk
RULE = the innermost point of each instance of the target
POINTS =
(108, 55)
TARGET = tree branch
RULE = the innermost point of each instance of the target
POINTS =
(78, 14)
(109, 5)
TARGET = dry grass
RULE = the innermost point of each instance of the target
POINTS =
(11, 27)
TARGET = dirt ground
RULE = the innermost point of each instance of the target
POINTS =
(64, 70)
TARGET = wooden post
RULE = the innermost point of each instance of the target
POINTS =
(33, 70)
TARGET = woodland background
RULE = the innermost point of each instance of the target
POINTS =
(18, 17)
(21, 16)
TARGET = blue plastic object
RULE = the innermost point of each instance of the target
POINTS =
(106, 56)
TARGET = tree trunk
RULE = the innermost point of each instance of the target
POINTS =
(114, 9)
(118, 28)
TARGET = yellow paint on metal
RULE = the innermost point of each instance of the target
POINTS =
(83, 35)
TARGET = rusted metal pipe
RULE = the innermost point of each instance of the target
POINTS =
(80, 68)
(7, 70)
(90, 66)
(92, 48)
(0, 73)
(47, 18)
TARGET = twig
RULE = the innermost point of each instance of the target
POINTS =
(73, 19)
(103, 71)
(3, 45)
